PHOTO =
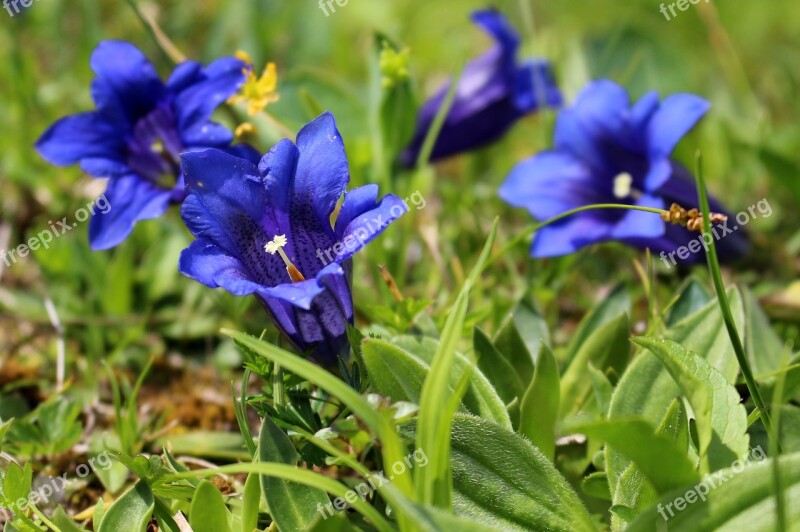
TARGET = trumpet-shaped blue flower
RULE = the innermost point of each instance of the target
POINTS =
(494, 91)
(138, 131)
(266, 230)
(607, 151)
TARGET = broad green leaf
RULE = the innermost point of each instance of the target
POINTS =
(131, 512)
(437, 405)
(17, 481)
(496, 368)
(605, 347)
(734, 499)
(610, 307)
(291, 505)
(763, 346)
(603, 390)
(596, 485)
(539, 408)
(503, 482)
(518, 340)
(480, 398)
(659, 457)
(62, 520)
(693, 296)
(633, 492)
(394, 372)
(208, 512)
(646, 389)
(721, 418)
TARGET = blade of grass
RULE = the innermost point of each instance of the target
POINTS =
(433, 483)
(719, 287)
(294, 474)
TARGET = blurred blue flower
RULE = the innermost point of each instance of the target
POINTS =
(266, 230)
(138, 131)
(607, 151)
(494, 91)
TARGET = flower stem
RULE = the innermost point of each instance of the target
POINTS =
(727, 316)
(167, 47)
(524, 235)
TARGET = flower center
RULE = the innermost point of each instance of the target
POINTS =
(276, 246)
(155, 147)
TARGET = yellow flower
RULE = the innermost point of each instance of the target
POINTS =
(258, 92)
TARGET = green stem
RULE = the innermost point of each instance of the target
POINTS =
(722, 297)
(524, 235)
(170, 52)
(44, 519)
(278, 392)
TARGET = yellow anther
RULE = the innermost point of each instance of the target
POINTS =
(258, 92)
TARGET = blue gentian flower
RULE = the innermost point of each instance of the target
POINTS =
(138, 131)
(266, 230)
(494, 91)
(607, 151)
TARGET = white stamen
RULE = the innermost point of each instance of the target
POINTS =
(274, 245)
(622, 185)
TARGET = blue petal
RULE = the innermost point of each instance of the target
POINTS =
(362, 219)
(549, 184)
(569, 235)
(322, 172)
(127, 85)
(536, 87)
(195, 104)
(131, 199)
(677, 115)
(207, 263)
(85, 135)
(639, 224)
(495, 24)
(228, 205)
(642, 111)
(184, 75)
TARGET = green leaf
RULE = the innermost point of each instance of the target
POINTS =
(505, 483)
(739, 498)
(131, 512)
(17, 481)
(394, 372)
(539, 408)
(392, 448)
(497, 369)
(519, 338)
(610, 307)
(62, 520)
(250, 503)
(437, 404)
(292, 506)
(721, 418)
(603, 390)
(208, 512)
(480, 398)
(606, 347)
(763, 346)
(659, 457)
(692, 297)
(596, 485)
(647, 390)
